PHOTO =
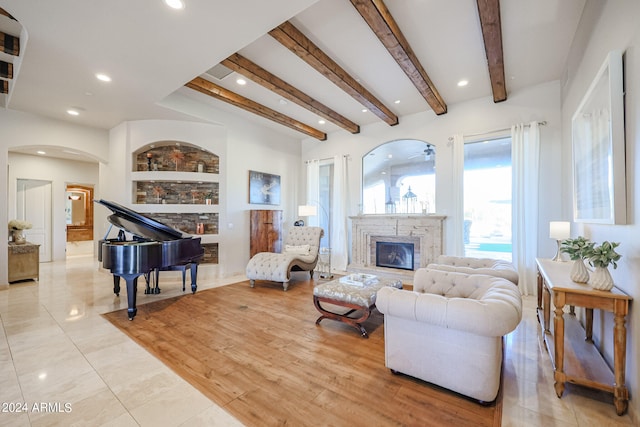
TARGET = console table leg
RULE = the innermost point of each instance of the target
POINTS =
(558, 330)
(620, 392)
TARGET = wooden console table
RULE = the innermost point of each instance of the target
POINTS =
(584, 364)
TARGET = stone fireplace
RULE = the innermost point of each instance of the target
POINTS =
(423, 232)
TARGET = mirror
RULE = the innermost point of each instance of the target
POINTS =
(599, 148)
(399, 177)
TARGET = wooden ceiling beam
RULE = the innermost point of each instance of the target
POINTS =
(293, 39)
(376, 14)
(208, 88)
(9, 44)
(6, 70)
(4, 86)
(253, 71)
(7, 14)
(489, 13)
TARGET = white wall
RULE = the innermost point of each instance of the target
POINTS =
(23, 129)
(59, 172)
(540, 103)
(609, 25)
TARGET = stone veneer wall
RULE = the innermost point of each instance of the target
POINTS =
(188, 222)
(424, 231)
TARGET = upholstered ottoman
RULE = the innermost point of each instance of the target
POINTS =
(355, 297)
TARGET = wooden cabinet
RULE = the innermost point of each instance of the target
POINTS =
(265, 231)
(24, 262)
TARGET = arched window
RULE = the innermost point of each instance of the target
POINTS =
(399, 177)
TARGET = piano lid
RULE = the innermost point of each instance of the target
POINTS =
(139, 225)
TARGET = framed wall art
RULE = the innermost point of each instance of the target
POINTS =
(264, 188)
(597, 130)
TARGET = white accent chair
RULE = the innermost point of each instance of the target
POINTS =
(300, 253)
(449, 330)
(469, 265)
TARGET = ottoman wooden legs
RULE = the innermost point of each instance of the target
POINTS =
(355, 322)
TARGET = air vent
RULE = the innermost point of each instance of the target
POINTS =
(219, 72)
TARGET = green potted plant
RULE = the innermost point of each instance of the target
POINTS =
(577, 249)
(600, 256)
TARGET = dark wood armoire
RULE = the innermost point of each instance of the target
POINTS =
(265, 231)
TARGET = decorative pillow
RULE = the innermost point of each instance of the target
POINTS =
(297, 249)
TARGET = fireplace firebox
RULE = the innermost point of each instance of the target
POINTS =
(394, 255)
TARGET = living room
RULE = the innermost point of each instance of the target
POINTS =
(246, 145)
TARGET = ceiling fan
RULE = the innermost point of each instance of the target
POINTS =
(427, 152)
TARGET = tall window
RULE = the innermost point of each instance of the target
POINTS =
(325, 205)
(487, 199)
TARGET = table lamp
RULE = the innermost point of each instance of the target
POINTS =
(559, 230)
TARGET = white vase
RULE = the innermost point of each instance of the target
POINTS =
(601, 279)
(18, 237)
(579, 272)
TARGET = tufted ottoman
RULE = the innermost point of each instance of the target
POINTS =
(357, 298)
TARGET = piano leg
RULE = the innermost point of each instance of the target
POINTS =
(194, 276)
(132, 289)
(116, 285)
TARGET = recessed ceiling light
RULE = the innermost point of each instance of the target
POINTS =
(283, 102)
(241, 82)
(364, 110)
(397, 101)
(103, 77)
(321, 122)
(462, 83)
(175, 4)
(41, 152)
(73, 113)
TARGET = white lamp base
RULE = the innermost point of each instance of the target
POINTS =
(558, 256)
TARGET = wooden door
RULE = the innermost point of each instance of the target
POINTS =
(266, 231)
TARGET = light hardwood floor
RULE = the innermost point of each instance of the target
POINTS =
(55, 348)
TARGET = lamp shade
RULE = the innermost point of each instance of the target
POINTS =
(307, 210)
(559, 230)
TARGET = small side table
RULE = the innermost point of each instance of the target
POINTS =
(24, 262)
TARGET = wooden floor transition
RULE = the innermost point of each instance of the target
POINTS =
(258, 353)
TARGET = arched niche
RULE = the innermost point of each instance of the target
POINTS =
(175, 156)
(399, 177)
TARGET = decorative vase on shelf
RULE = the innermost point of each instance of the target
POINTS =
(579, 272)
(18, 237)
(601, 279)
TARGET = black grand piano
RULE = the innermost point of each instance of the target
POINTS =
(155, 246)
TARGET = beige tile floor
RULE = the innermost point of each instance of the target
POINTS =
(69, 366)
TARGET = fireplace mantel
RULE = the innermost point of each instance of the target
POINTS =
(426, 230)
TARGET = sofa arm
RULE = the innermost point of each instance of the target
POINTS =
(497, 314)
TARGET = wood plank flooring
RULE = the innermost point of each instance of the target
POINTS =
(258, 353)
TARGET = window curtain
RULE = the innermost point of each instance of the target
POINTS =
(458, 196)
(313, 189)
(339, 248)
(525, 161)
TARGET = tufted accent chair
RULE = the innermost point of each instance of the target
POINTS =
(300, 253)
(448, 331)
(469, 265)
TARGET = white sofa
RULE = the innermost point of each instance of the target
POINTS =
(448, 331)
(470, 265)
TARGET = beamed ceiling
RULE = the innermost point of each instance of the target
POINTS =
(350, 63)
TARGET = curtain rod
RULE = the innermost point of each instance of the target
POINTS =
(306, 162)
(542, 123)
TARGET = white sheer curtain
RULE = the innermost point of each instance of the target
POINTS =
(458, 196)
(525, 160)
(339, 249)
(313, 189)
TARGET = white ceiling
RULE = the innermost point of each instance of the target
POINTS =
(151, 51)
